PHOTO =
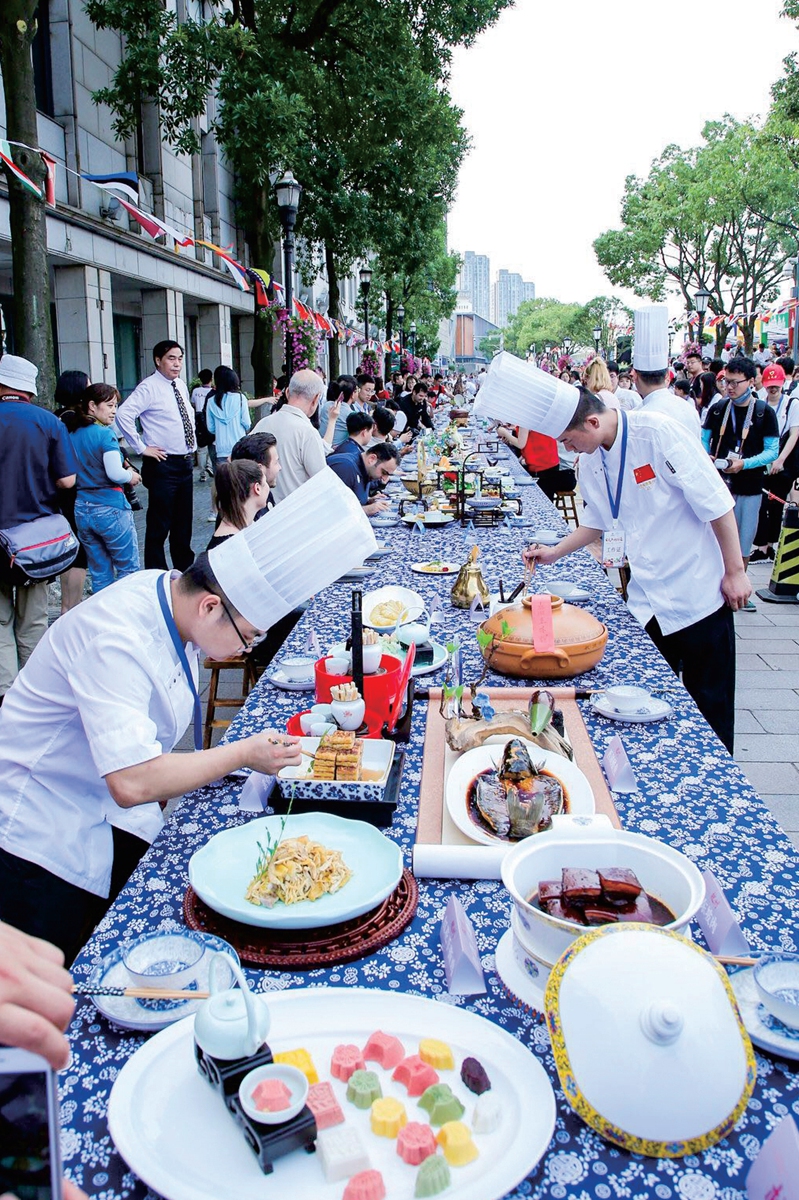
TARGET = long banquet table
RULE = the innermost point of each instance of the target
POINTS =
(692, 795)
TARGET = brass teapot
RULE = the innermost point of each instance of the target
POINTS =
(470, 583)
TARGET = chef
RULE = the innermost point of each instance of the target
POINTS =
(651, 365)
(653, 496)
(108, 693)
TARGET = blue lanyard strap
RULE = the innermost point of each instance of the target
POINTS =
(184, 662)
(615, 503)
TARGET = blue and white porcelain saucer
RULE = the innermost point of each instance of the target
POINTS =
(765, 1030)
(148, 1016)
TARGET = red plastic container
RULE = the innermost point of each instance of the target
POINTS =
(379, 688)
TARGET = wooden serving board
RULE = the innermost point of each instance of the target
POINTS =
(435, 826)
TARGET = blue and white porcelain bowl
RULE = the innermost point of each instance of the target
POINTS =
(163, 960)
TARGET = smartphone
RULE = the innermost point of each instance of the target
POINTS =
(30, 1142)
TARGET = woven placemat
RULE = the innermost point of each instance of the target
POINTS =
(258, 947)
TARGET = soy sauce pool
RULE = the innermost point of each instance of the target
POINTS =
(477, 818)
(661, 914)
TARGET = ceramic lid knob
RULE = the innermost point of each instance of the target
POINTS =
(662, 1022)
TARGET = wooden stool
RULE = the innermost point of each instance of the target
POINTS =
(566, 503)
(240, 662)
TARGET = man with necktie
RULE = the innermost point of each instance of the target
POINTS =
(166, 443)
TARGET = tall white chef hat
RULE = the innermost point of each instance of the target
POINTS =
(302, 545)
(651, 351)
(521, 394)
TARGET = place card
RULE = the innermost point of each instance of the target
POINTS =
(462, 965)
(312, 644)
(254, 796)
(477, 610)
(618, 768)
(774, 1175)
(436, 612)
(715, 918)
(543, 629)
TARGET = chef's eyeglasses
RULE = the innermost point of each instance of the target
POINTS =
(253, 642)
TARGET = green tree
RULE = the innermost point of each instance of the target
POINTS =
(541, 321)
(490, 344)
(30, 276)
(712, 216)
(293, 85)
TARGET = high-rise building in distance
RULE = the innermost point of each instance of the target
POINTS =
(507, 294)
(474, 284)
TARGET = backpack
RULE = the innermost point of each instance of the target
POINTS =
(791, 467)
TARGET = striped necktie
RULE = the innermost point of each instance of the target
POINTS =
(188, 427)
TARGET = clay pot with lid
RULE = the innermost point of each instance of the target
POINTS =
(580, 641)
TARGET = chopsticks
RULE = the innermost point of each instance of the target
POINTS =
(732, 960)
(87, 989)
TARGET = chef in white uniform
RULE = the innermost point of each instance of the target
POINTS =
(659, 502)
(111, 688)
(650, 369)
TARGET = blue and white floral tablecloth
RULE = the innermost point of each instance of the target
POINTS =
(692, 795)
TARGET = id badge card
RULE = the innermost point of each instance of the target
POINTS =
(614, 552)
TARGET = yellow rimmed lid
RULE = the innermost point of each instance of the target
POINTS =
(648, 1041)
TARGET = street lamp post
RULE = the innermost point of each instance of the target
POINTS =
(400, 322)
(288, 193)
(567, 345)
(366, 283)
(597, 337)
(701, 301)
(412, 332)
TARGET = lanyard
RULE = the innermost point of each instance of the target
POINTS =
(184, 662)
(615, 504)
(750, 412)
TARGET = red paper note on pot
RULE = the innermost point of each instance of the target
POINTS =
(774, 1174)
(543, 631)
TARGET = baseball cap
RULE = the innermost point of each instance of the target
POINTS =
(773, 376)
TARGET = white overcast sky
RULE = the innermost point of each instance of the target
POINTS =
(563, 101)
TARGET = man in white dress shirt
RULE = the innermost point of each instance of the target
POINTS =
(167, 443)
(650, 368)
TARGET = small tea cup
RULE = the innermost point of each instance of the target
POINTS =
(321, 712)
(297, 667)
(307, 721)
(336, 665)
(626, 698)
(320, 728)
(163, 960)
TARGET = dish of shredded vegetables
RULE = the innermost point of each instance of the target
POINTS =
(298, 869)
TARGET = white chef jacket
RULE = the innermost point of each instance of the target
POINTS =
(671, 492)
(153, 402)
(103, 690)
(682, 411)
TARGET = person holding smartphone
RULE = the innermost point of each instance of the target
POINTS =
(36, 1006)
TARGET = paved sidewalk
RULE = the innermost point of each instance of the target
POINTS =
(767, 699)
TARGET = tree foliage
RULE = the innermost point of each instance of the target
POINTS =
(374, 139)
(716, 216)
(548, 320)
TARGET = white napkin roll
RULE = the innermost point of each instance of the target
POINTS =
(458, 862)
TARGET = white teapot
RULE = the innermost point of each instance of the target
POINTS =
(231, 1024)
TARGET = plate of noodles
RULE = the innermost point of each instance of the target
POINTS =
(317, 870)
(387, 607)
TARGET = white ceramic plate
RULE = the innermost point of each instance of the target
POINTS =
(526, 982)
(148, 1016)
(281, 680)
(385, 522)
(464, 769)
(653, 710)
(357, 573)
(173, 1131)
(435, 567)
(413, 606)
(378, 553)
(430, 519)
(765, 1031)
(570, 592)
(221, 870)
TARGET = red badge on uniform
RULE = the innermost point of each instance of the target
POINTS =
(644, 474)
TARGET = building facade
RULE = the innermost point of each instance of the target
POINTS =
(470, 329)
(116, 291)
(474, 283)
